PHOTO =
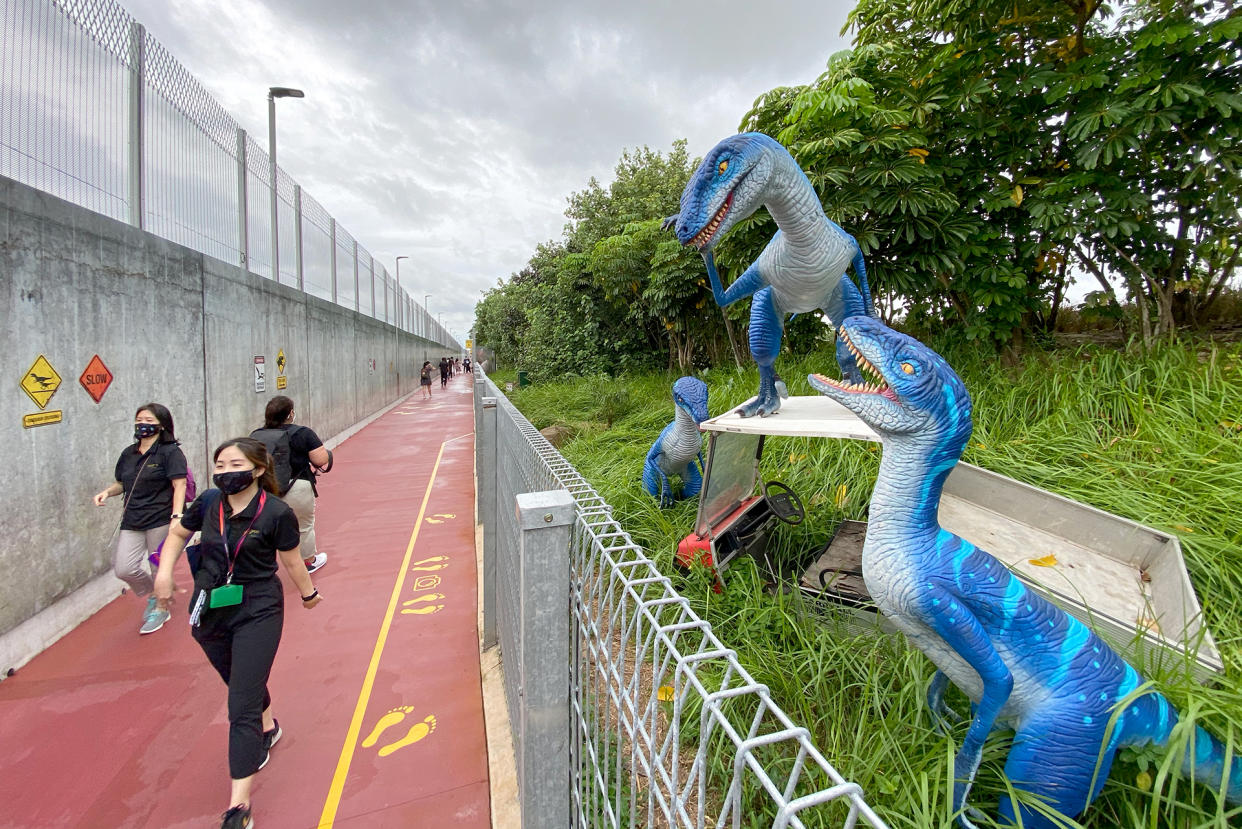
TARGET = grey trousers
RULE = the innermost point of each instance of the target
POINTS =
(301, 499)
(129, 560)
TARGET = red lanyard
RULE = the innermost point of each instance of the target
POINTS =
(225, 538)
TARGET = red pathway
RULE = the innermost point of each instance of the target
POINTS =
(377, 689)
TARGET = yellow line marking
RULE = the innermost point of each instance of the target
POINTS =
(328, 817)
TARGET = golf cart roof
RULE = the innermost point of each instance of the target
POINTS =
(812, 416)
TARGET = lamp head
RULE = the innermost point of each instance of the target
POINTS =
(284, 92)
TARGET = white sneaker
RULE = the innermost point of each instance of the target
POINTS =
(313, 564)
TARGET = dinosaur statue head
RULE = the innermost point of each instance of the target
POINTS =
(690, 394)
(913, 389)
(726, 188)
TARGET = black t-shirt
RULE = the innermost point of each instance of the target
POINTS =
(274, 527)
(149, 495)
(302, 441)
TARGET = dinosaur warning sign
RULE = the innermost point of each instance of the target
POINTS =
(96, 378)
(40, 382)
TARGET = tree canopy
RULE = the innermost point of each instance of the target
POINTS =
(981, 151)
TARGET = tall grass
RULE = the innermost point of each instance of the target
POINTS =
(1156, 438)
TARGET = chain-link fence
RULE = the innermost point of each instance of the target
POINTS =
(665, 727)
(97, 112)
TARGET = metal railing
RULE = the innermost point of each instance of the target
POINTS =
(97, 112)
(658, 724)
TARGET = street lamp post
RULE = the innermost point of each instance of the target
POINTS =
(273, 93)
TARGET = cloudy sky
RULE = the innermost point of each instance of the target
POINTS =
(452, 131)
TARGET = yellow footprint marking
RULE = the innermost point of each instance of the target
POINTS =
(440, 517)
(417, 732)
(390, 719)
(425, 610)
(425, 583)
(430, 597)
(421, 606)
(433, 563)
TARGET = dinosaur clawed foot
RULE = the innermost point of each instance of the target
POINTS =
(762, 406)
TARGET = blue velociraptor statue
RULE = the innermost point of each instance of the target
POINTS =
(1022, 660)
(801, 270)
(679, 445)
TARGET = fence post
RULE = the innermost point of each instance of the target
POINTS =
(488, 470)
(297, 232)
(243, 209)
(357, 301)
(137, 84)
(372, 267)
(333, 225)
(544, 523)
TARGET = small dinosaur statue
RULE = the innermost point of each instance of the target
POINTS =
(1022, 660)
(801, 270)
(678, 445)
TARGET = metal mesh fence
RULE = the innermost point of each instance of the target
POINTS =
(95, 111)
(668, 729)
(76, 78)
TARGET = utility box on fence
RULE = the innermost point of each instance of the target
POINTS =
(523, 380)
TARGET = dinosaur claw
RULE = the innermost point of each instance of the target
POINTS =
(669, 222)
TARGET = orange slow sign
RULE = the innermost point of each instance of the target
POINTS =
(96, 378)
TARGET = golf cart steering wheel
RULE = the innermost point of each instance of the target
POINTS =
(785, 503)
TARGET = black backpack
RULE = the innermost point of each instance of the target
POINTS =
(277, 443)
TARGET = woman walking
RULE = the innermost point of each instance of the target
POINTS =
(305, 450)
(424, 379)
(237, 607)
(151, 475)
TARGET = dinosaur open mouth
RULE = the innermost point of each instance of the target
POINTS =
(704, 236)
(878, 386)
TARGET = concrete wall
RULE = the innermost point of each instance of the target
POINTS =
(173, 326)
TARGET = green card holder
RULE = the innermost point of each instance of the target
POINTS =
(225, 596)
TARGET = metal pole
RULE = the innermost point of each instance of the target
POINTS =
(487, 473)
(544, 521)
(243, 214)
(333, 226)
(137, 83)
(271, 158)
(357, 301)
(297, 233)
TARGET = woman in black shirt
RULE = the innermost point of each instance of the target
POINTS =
(151, 474)
(237, 608)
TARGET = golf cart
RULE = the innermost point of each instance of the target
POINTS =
(1127, 582)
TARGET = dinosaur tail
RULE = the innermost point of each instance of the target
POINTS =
(1150, 719)
(860, 268)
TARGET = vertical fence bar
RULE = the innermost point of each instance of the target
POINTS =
(297, 233)
(544, 520)
(357, 302)
(137, 85)
(333, 261)
(243, 214)
(371, 259)
(487, 474)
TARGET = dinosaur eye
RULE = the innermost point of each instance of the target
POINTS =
(907, 368)
(722, 168)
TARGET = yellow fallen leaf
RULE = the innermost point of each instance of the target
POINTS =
(1049, 560)
(981, 445)
(1016, 195)
(665, 693)
(1231, 424)
(1143, 781)
(838, 497)
(1183, 528)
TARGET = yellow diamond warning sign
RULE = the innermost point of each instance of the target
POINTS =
(280, 362)
(40, 382)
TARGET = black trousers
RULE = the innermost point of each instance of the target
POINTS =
(240, 642)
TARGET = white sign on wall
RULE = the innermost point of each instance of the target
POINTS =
(260, 374)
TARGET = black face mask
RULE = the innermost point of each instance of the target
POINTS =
(145, 430)
(231, 483)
